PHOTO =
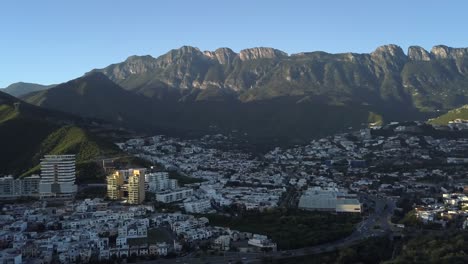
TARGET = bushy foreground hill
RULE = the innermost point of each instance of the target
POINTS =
(28, 132)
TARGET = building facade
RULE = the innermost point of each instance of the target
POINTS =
(197, 207)
(329, 199)
(127, 184)
(115, 182)
(159, 181)
(58, 176)
(173, 195)
(136, 188)
(11, 188)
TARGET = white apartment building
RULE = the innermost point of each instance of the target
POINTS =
(262, 242)
(159, 181)
(174, 195)
(11, 188)
(199, 206)
(57, 176)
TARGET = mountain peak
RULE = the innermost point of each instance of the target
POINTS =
(222, 55)
(21, 88)
(6, 98)
(93, 76)
(261, 53)
(389, 50)
(188, 49)
(418, 53)
(444, 52)
(440, 51)
(134, 58)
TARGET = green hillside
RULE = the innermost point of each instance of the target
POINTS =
(459, 113)
(27, 133)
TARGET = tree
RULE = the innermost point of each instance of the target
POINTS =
(347, 255)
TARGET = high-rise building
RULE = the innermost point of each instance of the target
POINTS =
(115, 182)
(129, 172)
(136, 187)
(131, 181)
(58, 176)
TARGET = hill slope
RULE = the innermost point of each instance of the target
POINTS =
(28, 132)
(95, 96)
(288, 118)
(21, 88)
(458, 113)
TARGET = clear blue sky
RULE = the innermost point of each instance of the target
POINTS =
(47, 41)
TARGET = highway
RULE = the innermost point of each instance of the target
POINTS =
(376, 224)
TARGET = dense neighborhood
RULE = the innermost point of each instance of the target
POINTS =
(414, 170)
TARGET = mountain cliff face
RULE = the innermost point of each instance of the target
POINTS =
(264, 92)
(424, 80)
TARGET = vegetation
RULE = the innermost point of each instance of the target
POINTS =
(443, 247)
(91, 193)
(370, 251)
(27, 133)
(155, 235)
(291, 228)
(459, 113)
(182, 179)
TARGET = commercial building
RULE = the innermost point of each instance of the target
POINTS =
(174, 195)
(329, 199)
(58, 176)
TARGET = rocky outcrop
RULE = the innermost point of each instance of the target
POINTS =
(385, 74)
(417, 53)
(133, 65)
(261, 53)
(444, 52)
(222, 55)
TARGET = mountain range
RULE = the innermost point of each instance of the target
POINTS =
(22, 88)
(265, 93)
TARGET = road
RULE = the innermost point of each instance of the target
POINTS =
(376, 224)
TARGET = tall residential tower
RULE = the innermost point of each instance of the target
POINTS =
(58, 176)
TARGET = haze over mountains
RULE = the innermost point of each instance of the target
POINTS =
(265, 92)
(22, 88)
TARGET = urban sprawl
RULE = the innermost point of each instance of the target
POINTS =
(156, 212)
